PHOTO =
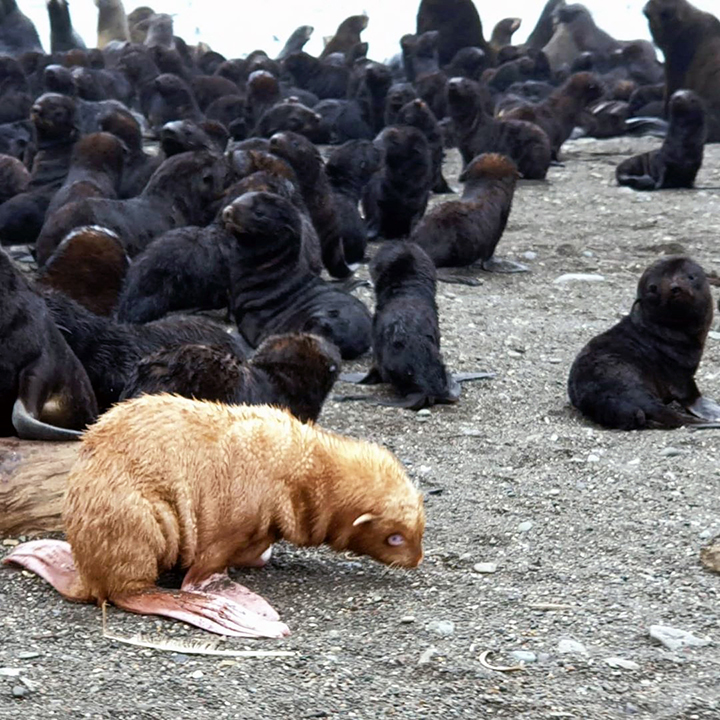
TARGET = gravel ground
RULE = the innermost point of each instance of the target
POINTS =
(604, 527)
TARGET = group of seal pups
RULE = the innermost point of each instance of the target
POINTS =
(240, 210)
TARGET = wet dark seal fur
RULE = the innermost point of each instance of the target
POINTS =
(294, 371)
(466, 231)
(397, 195)
(526, 144)
(676, 163)
(406, 331)
(690, 41)
(43, 386)
(640, 373)
(272, 292)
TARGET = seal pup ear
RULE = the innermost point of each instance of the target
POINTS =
(365, 518)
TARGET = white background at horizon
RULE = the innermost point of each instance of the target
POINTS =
(236, 28)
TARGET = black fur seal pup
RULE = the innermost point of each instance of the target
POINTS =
(295, 371)
(526, 144)
(296, 42)
(62, 35)
(467, 231)
(397, 195)
(406, 331)
(306, 161)
(109, 350)
(349, 169)
(45, 393)
(272, 292)
(677, 162)
(640, 373)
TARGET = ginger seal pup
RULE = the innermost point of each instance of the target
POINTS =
(162, 481)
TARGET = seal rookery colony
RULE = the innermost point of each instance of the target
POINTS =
(163, 481)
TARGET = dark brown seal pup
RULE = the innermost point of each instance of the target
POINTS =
(561, 112)
(467, 231)
(406, 331)
(349, 169)
(690, 41)
(640, 373)
(14, 177)
(43, 387)
(89, 266)
(109, 350)
(296, 42)
(457, 22)
(266, 476)
(502, 33)
(17, 32)
(397, 195)
(294, 371)
(306, 161)
(181, 192)
(677, 162)
(526, 144)
(272, 292)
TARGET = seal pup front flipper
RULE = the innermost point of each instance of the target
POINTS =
(372, 377)
(30, 428)
(705, 409)
(500, 265)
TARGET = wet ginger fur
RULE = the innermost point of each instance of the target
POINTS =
(162, 481)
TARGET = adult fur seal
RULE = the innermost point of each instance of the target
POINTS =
(62, 35)
(406, 331)
(346, 36)
(458, 24)
(294, 371)
(272, 292)
(43, 387)
(296, 42)
(112, 22)
(640, 373)
(690, 41)
(17, 32)
(478, 132)
(466, 231)
(677, 162)
(265, 476)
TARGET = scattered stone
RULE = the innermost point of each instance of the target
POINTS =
(10, 542)
(485, 568)
(19, 691)
(424, 413)
(710, 556)
(442, 627)
(407, 619)
(10, 672)
(588, 253)
(514, 354)
(621, 663)
(579, 277)
(672, 452)
(524, 656)
(529, 255)
(571, 647)
(196, 675)
(593, 458)
(524, 527)
(28, 655)
(427, 656)
(714, 335)
(674, 638)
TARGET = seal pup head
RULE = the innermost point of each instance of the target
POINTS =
(674, 292)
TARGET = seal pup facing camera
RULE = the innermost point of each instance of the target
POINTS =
(294, 371)
(640, 373)
(273, 291)
(676, 163)
(466, 231)
(45, 393)
(266, 476)
(406, 330)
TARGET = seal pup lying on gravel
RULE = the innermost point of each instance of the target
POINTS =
(676, 163)
(467, 231)
(163, 481)
(294, 371)
(406, 331)
(640, 373)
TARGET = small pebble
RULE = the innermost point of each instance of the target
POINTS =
(514, 354)
(578, 277)
(621, 663)
(442, 627)
(524, 527)
(714, 335)
(567, 647)
(19, 691)
(674, 638)
(671, 452)
(524, 656)
(424, 413)
(427, 656)
(588, 253)
(407, 619)
(593, 458)
(28, 655)
(10, 672)
(529, 255)
(485, 568)
(196, 675)
(10, 542)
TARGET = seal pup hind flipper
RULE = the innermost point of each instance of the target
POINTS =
(502, 265)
